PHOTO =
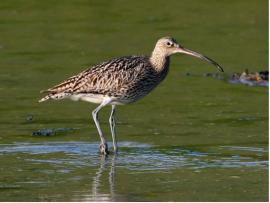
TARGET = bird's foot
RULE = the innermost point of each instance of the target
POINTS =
(103, 148)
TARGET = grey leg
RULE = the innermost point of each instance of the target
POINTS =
(112, 125)
(103, 145)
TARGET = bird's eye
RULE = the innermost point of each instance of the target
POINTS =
(169, 44)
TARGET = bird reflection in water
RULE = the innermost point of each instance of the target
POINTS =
(97, 195)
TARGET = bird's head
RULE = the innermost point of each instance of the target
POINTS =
(168, 46)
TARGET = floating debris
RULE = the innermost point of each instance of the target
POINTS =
(52, 132)
(251, 79)
(218, 76)
(214, 75)
(264, 75)
(29, 118)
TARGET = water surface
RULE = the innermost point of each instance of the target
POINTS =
(192, 139)
(94, 178)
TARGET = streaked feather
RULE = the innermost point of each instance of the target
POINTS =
(127, 78)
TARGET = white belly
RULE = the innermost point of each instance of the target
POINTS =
(93, 98)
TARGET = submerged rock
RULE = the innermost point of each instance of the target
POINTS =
(51, 131)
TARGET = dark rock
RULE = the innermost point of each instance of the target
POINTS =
(44, 132)
(51, 132)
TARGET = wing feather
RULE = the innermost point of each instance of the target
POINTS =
(105, 78)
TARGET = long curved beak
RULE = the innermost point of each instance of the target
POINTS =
(195, 54)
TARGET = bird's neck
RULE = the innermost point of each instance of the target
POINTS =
(159, 60)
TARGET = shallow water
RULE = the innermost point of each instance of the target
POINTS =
(76, 162)
(192, 139)
(140, 156)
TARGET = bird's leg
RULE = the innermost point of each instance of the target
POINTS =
(112, 125)
(103, 146)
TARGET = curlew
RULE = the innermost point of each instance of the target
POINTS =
(121, 81)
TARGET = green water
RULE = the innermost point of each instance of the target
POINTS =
(192, 139)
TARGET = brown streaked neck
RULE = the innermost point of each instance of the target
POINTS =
(159, 60)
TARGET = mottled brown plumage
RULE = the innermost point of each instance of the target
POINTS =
(120, 81)
(125, 79)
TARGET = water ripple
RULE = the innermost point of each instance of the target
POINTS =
(138, 156)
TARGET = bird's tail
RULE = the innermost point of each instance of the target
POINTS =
(55, 96)
(44, 98)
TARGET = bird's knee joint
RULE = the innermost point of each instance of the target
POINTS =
(111, 120)
(94, 114)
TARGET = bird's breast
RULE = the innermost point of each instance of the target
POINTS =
(144, 84)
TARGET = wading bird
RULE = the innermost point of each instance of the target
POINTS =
(121, 81)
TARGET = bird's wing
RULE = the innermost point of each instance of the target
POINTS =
(103, 78)
(111, 76)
